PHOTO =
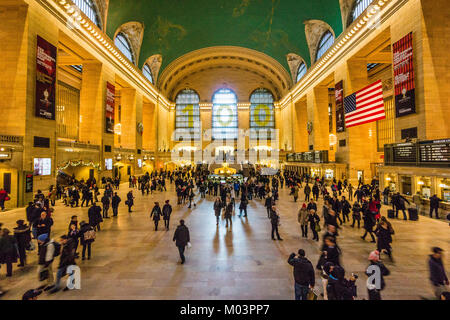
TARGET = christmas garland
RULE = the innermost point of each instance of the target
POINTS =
(79, 163)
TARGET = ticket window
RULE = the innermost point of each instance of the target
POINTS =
(406, 185)
(329, 174)
(444, 187)
(424, 187)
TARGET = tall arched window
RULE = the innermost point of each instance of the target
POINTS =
(262, 115)
(325, 43)
(359, 7)
(301, 71)
(122, 43)
(89, 8)
(187, 116)
(224, 115)
(148, 73)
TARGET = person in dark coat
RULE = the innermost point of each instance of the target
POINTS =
(44, 224)
(314, 220)
(74, 234)
(369, 223)
(268, 203)
(166, 212)
(303, 274)
(29, 212)
(73, 221)
(23, 237)
(243, 205)
(339, 288)
(330, 251)
(115, 204)
(156, 214)
(8, 250)
(130, 200)
(438, 278)
(384, 237)
(86, 243)
(105, 202)
(356, 214)
(434, 206)
(398, 201)
(95, 216)
(66, 259)
(228, 214)
(217, 209)
(275, 221)
(346, 207)
(181, 238)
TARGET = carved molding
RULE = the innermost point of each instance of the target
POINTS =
(346, 11)
(154, 62)
(102, 7)
(294, 61)
(314, 29)
(135, 32)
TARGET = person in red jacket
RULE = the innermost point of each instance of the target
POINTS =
(3, 197)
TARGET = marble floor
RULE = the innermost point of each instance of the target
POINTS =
(131, 261)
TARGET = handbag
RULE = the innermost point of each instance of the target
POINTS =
(317, 227)
(311, 295)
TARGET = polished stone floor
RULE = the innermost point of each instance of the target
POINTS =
(131, 261)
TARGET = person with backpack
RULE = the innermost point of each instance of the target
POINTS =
(156, 214)
(182, 239)
(48, 250)
(356, 214)
(304, 275)
(398, 202)
(87, 237)
(130, 200)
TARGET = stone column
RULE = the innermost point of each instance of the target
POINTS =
(317, 108)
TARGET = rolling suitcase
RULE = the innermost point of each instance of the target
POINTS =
(413, 215)
(391, 214)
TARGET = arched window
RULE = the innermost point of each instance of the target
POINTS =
(359, 7)
(187, 116)
(122, 43)
(224, 115)
(148, 73)
(262, 115)
(89, 8)
(325, 43)
(301, 71)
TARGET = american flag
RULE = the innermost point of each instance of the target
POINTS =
(365, 105)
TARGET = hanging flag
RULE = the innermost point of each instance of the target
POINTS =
(365, 105)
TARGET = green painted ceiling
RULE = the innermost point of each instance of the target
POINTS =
(176, 27)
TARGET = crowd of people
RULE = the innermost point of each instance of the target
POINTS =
(35, 234)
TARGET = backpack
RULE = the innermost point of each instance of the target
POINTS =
(89, 235)
(57, 251)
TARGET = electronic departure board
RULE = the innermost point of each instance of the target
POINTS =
(405, 152)
(436, 151)
(422, 153)
(309, 157)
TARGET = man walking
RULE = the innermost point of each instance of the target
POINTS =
(167, 211)
(438, 278)
(115, 204)
(275, 220)
(303, 274)
(182, 239)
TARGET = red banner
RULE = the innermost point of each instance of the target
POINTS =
(45, 79)
(110, 104)
(340, 114)
(405, 102)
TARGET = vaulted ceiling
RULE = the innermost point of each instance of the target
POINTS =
(174, 28)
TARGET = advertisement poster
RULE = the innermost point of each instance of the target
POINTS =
(405, 102)
(340, 113)
(42, 166)
(45, 79)
(109, 111)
